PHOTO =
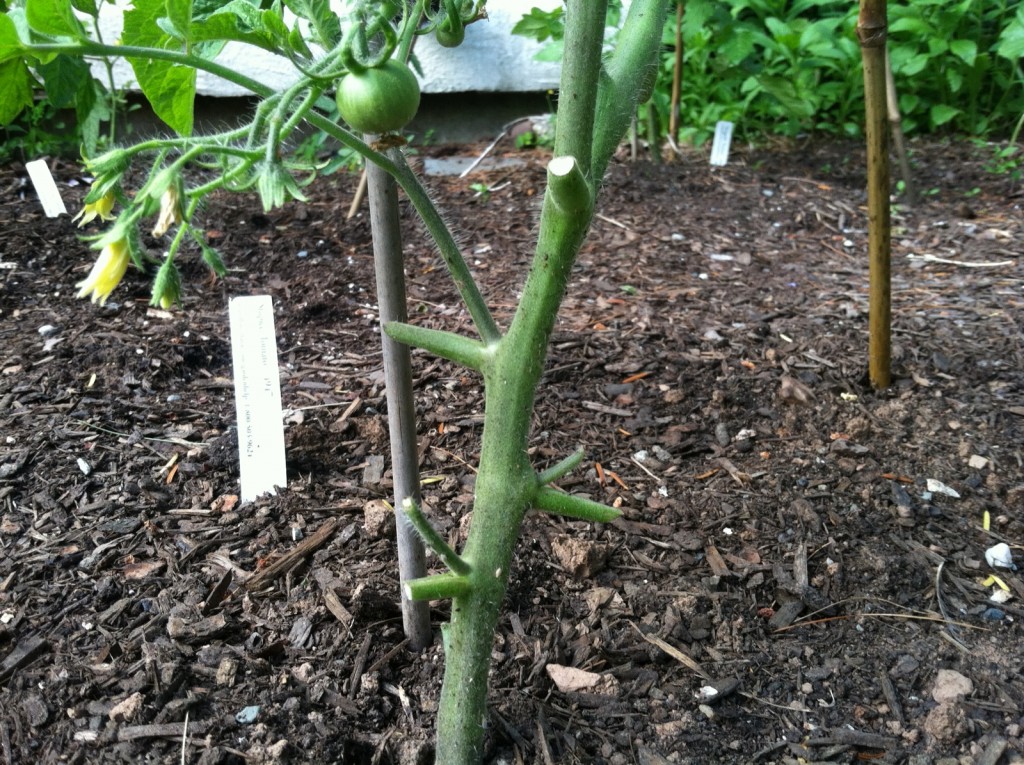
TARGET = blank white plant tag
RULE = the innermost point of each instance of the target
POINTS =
(720, 147)
(257, 396)
(39, 172)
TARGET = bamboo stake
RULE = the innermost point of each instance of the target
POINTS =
(871, 31)
(358, 198)
(677, 78)
(893, 110)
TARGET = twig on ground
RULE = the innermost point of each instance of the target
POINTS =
(294, 556)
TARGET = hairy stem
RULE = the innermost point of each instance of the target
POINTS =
(506, 484)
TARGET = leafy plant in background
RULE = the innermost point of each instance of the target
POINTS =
(959, 64)
(1006, 159)
(94, 105)
(39, 130)
(167, 41)
(785, 68)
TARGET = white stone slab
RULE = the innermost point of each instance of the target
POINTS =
(491, 58)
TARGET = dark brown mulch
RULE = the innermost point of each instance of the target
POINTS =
(780, 541)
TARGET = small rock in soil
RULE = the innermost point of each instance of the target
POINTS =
(378, 519)
(950, 685)
(579, 557)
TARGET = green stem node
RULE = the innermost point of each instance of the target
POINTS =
(462, 350)
(435, 542)
(562, 469)
(568, 187)
(437, 587)
(557, 503)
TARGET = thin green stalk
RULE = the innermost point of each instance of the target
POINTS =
(111, 85)
(433, 539)
(280, 118)
(299, 113)
(87, 48)
(407, 34)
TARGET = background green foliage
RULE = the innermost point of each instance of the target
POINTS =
(773, 67)
(779, 67)
(69, 110)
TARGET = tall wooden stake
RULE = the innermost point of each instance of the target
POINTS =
(390, 268)
(677, 78)
(871, 31)
(895, 125)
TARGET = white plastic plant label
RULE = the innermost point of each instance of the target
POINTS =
(722, 142)
(39, 172)
(257, 396)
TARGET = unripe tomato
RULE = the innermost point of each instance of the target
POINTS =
(379, 100)
(450, 34)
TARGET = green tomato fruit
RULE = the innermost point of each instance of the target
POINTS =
(450, 33)
(379, 100)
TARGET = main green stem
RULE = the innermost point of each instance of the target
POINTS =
(506, 483)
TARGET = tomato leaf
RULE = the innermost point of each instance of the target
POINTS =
(16, 85)
(53, 17)
(170, 88)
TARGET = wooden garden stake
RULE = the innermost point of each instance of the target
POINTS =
(871, 31)
(893, 109)
(389, 266)
(677, 78)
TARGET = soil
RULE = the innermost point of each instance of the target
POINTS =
(800, 571)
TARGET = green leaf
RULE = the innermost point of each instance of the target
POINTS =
(271, 21)
(324, 22)
(909, 102)
(169, 88)
(541, 25)
(915, 26)
(180, 14)
(16, 85)
(553, 51)
(915, 65)
(168, 28)
(239, 20)
(297, 43)
(212, 259)
(63, 78)
(92, 109)
(11, 45)
(783, 90)
(87, 7)
(53, 17)
(1011, 41)
(955, 79)
(965, 50)
(941, 114)
(698, 12)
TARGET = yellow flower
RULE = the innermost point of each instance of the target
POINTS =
(101, 208)
(170, 211)
(106, 272)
